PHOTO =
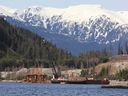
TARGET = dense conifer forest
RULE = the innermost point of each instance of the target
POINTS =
(20, 47)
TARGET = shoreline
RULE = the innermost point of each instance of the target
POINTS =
(116, 84)
(12, 81)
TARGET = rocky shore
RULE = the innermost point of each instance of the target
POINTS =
(117, 84)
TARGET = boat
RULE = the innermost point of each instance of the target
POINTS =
(88, 82)
(77, 81)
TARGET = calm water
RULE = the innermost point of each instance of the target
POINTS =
(18, 89)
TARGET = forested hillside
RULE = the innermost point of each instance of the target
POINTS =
(20, 47)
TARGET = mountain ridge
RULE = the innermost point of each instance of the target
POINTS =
(71, 10)
(83, 24)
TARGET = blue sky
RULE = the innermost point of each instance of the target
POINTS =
(108, 4)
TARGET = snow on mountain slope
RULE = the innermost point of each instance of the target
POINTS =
(81, 26)
(85, 23)
(123, 16)
(6, 11)
(79, 13)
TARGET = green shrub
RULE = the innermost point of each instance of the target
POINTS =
(104, 72)
(84, 72)
(20, 76)
(122, 74)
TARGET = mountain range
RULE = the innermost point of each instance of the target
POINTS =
(76, 28)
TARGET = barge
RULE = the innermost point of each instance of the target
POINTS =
(85, 81)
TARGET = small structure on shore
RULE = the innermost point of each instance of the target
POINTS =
(38, 75)
(33, 75)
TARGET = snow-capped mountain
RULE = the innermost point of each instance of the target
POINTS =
(81, 26)
(5, 11)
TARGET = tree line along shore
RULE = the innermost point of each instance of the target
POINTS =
(22, 48)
